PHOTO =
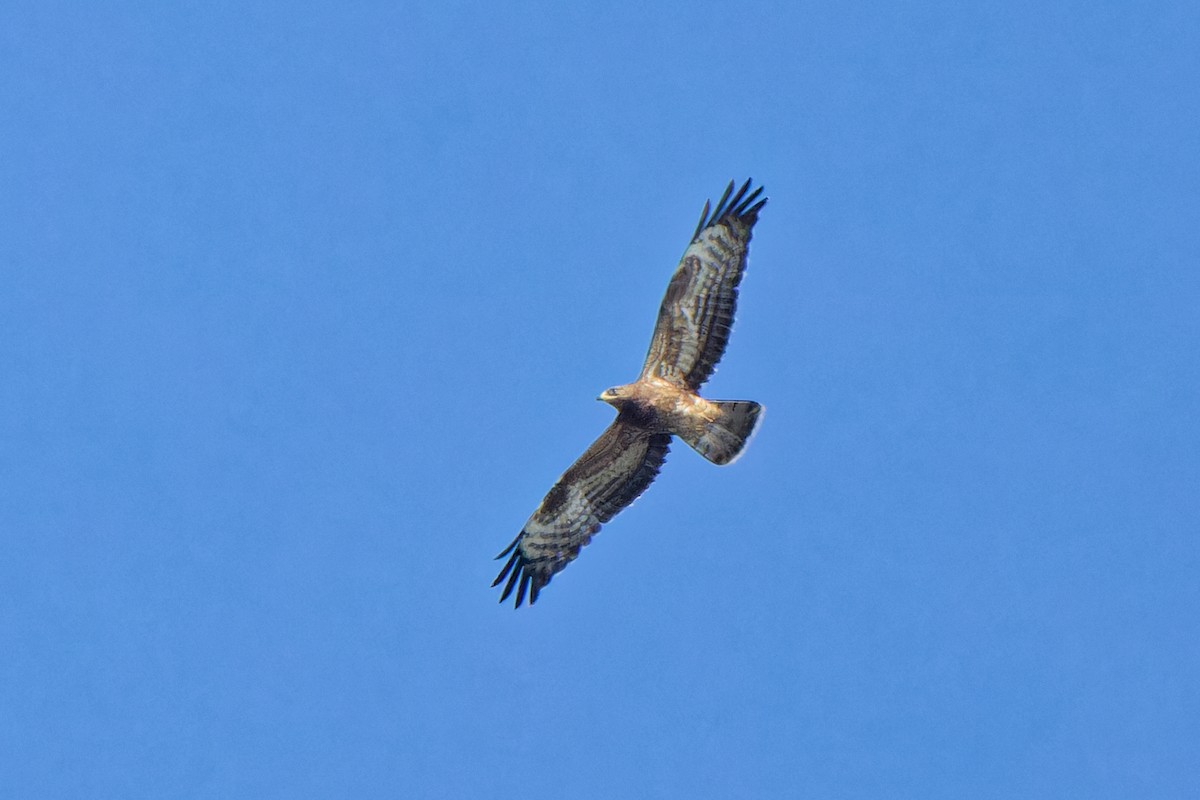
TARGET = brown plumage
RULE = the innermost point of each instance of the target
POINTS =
(693, 327)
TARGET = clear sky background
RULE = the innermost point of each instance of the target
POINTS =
(304, 307)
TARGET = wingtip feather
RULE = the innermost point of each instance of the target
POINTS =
(737, 198)
(504, 572)
(510, 548)
(720, 211)
(703, 219)
(515, 569)
(522, 586)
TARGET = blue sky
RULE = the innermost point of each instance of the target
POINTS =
(305, 307)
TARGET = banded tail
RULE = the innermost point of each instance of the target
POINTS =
(723, 440)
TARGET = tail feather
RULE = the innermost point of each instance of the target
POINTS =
(723, 440)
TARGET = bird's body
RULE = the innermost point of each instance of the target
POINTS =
(689, 338)
(662, 406)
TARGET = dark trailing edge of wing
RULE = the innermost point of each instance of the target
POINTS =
(739, 207)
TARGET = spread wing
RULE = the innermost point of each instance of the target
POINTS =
(609, 476)
(696, 314)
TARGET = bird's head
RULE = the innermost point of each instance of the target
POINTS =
(616, 396)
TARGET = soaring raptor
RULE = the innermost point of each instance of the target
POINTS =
(689, 338)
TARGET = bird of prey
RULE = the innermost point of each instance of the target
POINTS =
(689, 338)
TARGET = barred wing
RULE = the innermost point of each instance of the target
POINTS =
(607, 477)
(696, 314)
